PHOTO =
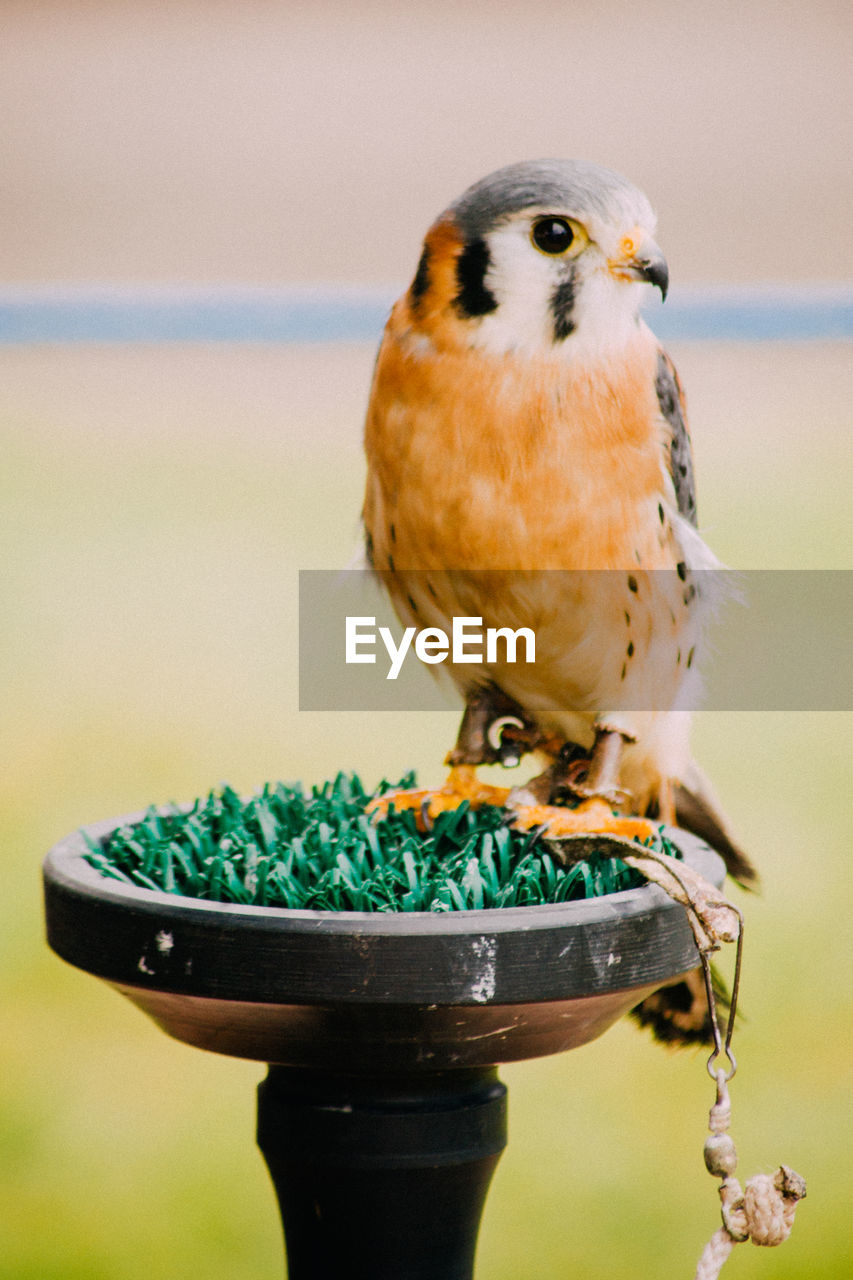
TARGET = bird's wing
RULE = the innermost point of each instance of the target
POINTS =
(680, 461)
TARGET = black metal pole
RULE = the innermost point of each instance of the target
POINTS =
(381, 1177)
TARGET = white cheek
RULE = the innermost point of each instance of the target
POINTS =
(606, 316)
(523, 282)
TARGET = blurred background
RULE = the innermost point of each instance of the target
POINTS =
(158, 500)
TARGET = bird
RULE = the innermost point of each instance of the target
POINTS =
(529, 464)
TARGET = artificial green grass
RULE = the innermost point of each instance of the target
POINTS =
(286, 848)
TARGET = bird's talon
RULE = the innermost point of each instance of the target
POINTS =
(616, 797)
(462, 784)
(426, 821)
(592, 817)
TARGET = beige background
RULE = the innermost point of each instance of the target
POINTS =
(157, 502)
(261, 141)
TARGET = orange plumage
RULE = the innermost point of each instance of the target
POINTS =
(529, 463)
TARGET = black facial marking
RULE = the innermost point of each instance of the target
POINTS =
(391, 564)
(474, 298)
(562, 306)
(627, 618)
(412, 605)
(368, 547)
(393, 533)
(690, 657)
(689, 593)
(681, 570)
(632, 583)
(660, 512)
(420, 284)
(680, 459)
(432, 591)
(630, 649)
(624, 671)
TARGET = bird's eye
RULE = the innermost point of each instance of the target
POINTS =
(552, 235)
(558, 237)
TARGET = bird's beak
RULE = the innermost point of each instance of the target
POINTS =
(640, 258)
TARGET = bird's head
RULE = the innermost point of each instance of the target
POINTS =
(542, 255)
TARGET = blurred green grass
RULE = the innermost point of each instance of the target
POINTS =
(156, 506)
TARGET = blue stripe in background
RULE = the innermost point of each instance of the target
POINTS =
(351, 314)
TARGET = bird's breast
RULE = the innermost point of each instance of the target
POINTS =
(509, 463)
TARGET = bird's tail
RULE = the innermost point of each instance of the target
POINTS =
(698, 810)
(678, 1015)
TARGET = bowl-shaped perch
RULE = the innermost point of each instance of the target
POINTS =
(389, 992)
(382, 1118)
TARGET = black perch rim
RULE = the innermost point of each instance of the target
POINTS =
(379, 991)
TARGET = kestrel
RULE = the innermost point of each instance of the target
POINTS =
(529, 463)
